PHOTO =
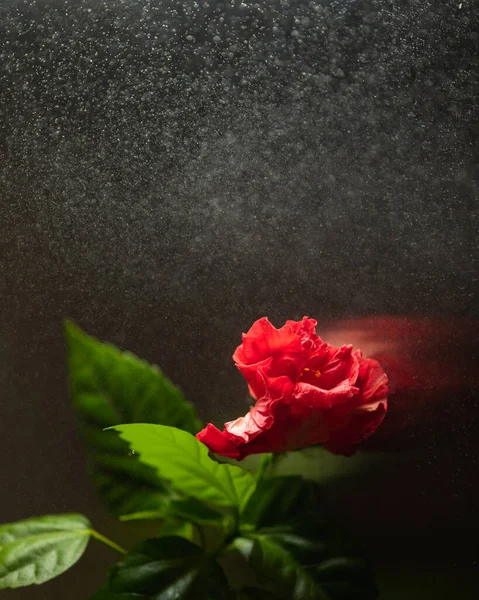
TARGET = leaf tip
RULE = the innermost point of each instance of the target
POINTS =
(70, 329)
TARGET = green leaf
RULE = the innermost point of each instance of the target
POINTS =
(303, 561)
(276, 569)
(180, 458)
(110, 387)
(187, 509)
(169, 568)
(178, 528)
(36, 550)
(277, 498)
(345, 578)
(296, 555)
(210, 539)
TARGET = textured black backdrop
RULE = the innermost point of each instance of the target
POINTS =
(170, 171)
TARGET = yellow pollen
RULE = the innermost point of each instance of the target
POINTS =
(316, 373)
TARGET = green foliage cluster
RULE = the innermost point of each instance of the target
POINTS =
(223, 533)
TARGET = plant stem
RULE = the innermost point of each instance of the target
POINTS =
(275, 459)
(266, 460)
(107, 542)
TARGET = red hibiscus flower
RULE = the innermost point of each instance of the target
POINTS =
(306, 391)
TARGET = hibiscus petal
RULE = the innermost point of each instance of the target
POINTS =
(372, 380)
(255, 376)
(261, 341)
(289, 347)
(257, 420)
(260, 418)
(335, 365)
(315, 397)
(362, 424)
(218, 441)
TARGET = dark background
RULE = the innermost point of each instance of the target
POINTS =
(171, 171)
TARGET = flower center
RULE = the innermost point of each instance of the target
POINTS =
(316, 372)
